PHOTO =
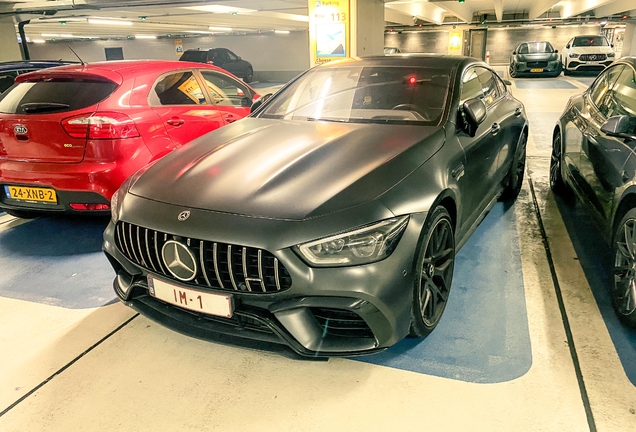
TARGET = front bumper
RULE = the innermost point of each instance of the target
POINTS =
(532, 68)
(325, 312)
(575, 65)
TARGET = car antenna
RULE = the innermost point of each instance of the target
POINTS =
(80, 59)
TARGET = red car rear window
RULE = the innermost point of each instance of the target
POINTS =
(54, 96)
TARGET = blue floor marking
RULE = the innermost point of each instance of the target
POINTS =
(56, 261)
(596, 260)
(483, 336)
(544, 84)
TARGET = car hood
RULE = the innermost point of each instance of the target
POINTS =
(288, 169)
(537, 57)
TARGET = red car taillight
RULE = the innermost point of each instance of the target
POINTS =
(101, 125)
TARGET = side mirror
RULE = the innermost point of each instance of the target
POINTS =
(618, 126)
(245, 102)
(474, 113)
(556, 51)
(568, 46)
(260, 101)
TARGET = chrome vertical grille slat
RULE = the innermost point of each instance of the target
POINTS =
(132, 244)
(245, 274)
(228, 268)
(260, 270)
(202, 261)
(152, 263)
(276, 275)
(216, 264)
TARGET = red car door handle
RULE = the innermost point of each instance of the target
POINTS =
(230, 118)
(175, 121)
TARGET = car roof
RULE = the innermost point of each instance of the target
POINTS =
(116, 71)
(629, 60)
(31, 64)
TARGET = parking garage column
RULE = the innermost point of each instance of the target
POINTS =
(345, 28)
(629, 40)
(10, 48)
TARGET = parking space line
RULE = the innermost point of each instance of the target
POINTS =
(564, 315)
(66, 366)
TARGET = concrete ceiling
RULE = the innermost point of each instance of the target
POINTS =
(177, 17)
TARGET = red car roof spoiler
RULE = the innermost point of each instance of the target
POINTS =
(44, 74)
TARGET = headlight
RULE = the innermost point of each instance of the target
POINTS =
(359, 246)
(612, 54)
(573, 55)
(114, 206)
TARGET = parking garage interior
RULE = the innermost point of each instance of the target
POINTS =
(529, 340)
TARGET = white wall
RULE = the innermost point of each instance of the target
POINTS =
(275, 57)
(10, 49)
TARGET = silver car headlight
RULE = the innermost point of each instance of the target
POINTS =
(114, 206)
(117, 198)
(573, 55)
(359, 246)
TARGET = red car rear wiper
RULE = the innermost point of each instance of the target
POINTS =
(35, 107)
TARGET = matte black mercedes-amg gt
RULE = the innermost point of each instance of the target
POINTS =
(329, 219)
(593, 155)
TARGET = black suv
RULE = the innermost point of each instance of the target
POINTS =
(223, 58)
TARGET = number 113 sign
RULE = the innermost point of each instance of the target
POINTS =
(328, 30)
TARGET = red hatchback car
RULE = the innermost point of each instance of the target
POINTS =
(71, 135)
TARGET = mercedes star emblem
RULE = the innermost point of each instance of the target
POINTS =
(179, 260)
(183, 215)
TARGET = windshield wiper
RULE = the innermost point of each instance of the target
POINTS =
(327, 119)
(35, 107)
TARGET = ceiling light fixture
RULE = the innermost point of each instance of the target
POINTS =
(39, 41)
(281, 31)
(145, 37)
(109, 22)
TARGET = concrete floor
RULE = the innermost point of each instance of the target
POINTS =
(516, 350)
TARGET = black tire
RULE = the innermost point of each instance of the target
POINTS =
(514, 178)
(23, 214)
(249, 75)
(512, 71)
(557, 184)
(433, 273)
(623, 284)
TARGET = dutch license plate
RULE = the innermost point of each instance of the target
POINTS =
(198, 301)
(31, 194)
(536, 70)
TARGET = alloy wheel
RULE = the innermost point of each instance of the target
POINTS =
(555, 163)
(436, 273)
(624, 295)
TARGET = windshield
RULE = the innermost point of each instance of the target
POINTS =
(587, 41)
(535, 48)
(373, 94)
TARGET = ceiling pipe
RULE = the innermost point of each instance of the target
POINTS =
(25, 45)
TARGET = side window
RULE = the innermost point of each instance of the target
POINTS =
(219, 57)
(502, 87)
(471, 87)
(601, 86)
(231, 56)
(489, 86)
(6, 80)
(178, 88)
(621, 98)
(225, 90)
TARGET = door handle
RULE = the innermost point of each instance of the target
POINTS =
(458, 172)
(230, 118)
(518, 112)
(175, 121)
(494, 129)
